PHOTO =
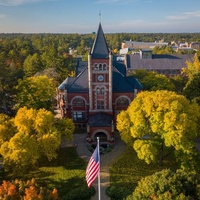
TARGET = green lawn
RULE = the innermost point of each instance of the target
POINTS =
(66, 173)
(127, 170)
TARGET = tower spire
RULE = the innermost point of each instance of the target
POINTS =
(100, 48)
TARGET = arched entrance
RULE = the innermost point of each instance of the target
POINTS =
(102, 137)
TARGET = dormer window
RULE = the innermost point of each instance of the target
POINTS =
(145, 54)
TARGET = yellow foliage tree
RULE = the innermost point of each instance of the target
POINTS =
(7, 129)
(161, 118)
(192, 67)
(35, 92)
(37, 134)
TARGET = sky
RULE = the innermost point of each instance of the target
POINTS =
(83, 16)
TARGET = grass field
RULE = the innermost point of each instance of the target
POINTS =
(127, 170)
(65, 173)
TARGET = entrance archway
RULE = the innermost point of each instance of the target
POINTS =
(102, 137)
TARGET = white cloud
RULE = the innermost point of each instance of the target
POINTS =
(185, 15)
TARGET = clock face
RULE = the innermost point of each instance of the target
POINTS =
(100, 78)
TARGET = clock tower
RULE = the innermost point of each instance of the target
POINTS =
(98, 93)
(100, 75)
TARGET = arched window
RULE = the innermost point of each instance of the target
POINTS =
(78, 102)
(96, 67)
(104, 66)
(98, 91)
(100, 66)
(102, 90)
(122, 101)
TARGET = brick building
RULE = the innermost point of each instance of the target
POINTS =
(98, 93)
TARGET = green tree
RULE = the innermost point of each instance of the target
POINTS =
(9, 74)
(179, 82)
(32, 65)
(192, 88)
(167, 185)
(163, 50)
(152, 81)
(36, 92)
(162, 119)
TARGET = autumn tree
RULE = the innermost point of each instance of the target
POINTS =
(161, 119)
(35, 92)
(37, 135)
(7, 129)
(192, 67)
(26, 190)
(169, 185)
(192, 88)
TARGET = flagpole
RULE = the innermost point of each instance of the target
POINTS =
(99, 183)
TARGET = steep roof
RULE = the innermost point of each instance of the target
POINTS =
(121, 83)
(158, 61)
(100, 48)
(78, 84)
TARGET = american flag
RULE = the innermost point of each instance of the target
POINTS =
(93, 168)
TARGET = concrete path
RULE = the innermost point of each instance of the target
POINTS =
(105, 161)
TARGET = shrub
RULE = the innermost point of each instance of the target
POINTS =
(81, 193)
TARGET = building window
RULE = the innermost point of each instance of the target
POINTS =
(98, 91)
(104, 66)
(100, 104)
(78, 102)
(122, 101)
(100, 66)
(96, 67)
(79, 116)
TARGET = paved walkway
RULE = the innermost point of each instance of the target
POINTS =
(105, 160)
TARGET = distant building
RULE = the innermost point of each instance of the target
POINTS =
(142, 45)
(195, 45)
(98, 93)
(124, 51)
(168, 65)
